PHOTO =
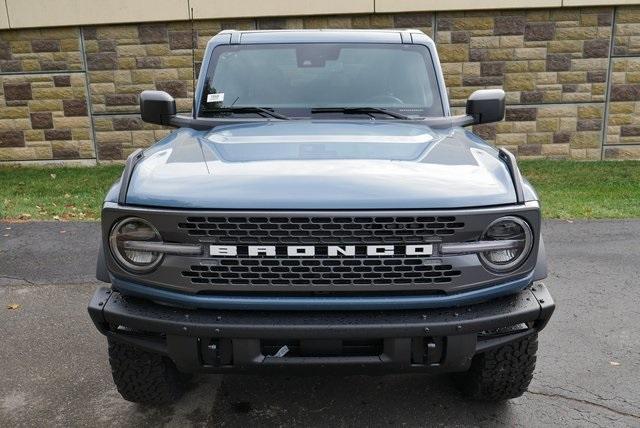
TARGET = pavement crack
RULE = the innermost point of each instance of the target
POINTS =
(587, 402)
(17, 278)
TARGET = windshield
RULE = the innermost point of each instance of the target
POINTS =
(297, 78)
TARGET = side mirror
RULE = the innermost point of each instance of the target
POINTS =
(486, 106)
(157, 107)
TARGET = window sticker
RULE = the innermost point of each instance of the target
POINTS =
(215, 98)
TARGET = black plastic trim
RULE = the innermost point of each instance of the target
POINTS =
(514, 171)
(178, 333)
(133, 159)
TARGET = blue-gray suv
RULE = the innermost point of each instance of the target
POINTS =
(321, 208)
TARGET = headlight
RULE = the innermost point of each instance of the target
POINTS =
(129, 231)
(518, 233)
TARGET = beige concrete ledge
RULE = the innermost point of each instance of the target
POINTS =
(206, 9)
(573, 3)
(4, 18)
(387, 6)
(58, 13)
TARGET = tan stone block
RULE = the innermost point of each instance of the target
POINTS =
(81, 134)
(34, 135)
(451, 68)
(460, 93)
(113, 137)
(91, 46)
(177, 62)
(102, 124)
(589, 64)
(576, 97)
(500, 54)
(14, 112)
(43, 152)
(30, 65)
(504, 127)
(335, 22)
(620, 119)
(17, 153)
(143, 138)
(516, 66)
(443, 37)
(594, 154)
(547, 124)
(69, 45)
(564, 46)
(568, 124)
(590, 112)
(131, 50)
(572, 76)
(537, 65)
(71, 122)
(530, 53)
(519, 82)
(511, 41)
(578, 154)
(490, 42)
(524, 127)
(539, 138)
(126, 63)
(621, 107)
(512, 98)
(558, 111)
(157, 50)
(576, 33)
(473, 23)
(143, 76)
(555, 149)
(20, 46)
(511, 139)
(162, 133)
(102, 88)
(101, 76)
(583, 140)
(45, 105)
(471, 69)
(534, 15)
(117, 32)
(453, 53)
(185, 73)
(122, 77)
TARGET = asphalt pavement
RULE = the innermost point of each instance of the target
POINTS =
(54, 370)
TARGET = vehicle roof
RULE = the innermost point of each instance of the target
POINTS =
(323, 35)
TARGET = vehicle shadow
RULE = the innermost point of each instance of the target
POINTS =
(392, 400)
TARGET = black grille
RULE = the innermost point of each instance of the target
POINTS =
(320, 230)
(321, 271)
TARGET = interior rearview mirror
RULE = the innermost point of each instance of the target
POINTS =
(157, 107)
(486, 106)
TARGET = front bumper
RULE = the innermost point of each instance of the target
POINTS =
(218, 341)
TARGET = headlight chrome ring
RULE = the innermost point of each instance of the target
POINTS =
(511, 228)
(134, 229)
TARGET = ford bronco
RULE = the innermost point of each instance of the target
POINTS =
(321, 208)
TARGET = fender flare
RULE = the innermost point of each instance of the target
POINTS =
(541, 270)
(102, 274)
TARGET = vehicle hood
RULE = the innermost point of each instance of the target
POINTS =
(301, 164)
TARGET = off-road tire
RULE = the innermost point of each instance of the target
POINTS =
(500, 373)
(144, 377)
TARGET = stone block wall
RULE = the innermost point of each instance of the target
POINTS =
(72, 93)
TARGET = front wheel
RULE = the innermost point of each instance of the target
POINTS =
(501, 373)
(144, 377)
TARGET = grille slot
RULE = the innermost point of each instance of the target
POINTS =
(320, 272)
(320, 230)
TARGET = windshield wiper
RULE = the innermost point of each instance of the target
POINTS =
(249, 109)
(358, 110)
